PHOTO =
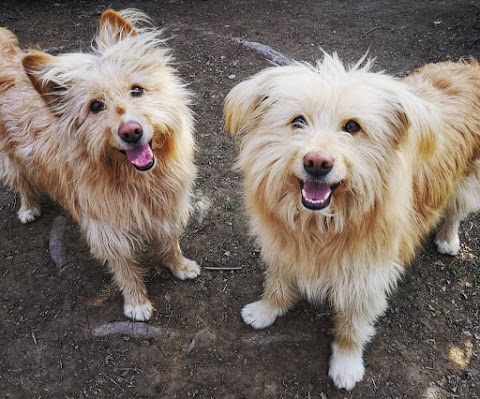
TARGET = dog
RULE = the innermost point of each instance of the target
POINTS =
(346, 171)
(109, 136)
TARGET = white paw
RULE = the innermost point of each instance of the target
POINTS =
(346, 369)
(188, 270)
(448, 247)
(260, 314)
(142, 312)
(28, 215)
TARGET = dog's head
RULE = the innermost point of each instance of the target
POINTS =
(325, 140)
(123, 100)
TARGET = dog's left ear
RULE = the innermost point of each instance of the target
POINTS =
(37, 66)
(114, 28)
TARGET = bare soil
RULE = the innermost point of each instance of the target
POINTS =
(427, 345)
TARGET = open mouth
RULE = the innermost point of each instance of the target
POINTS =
(316, 194)
(141, 156)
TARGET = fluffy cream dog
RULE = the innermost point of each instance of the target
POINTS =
(108, 135)
(346, 171)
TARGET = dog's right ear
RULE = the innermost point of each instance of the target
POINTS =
(37, 65)
(113, 27)
(246, 102)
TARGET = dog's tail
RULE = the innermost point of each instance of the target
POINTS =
(9, 52)
(8, 36)
(8, 43)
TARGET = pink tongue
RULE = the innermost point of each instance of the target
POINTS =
(140, 156)
(315, 190)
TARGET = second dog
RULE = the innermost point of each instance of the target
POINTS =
(346, 171)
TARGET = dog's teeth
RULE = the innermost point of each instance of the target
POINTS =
(313, 201)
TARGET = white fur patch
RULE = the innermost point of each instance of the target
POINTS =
(260, 314)
(187, 271)
(449, 247)
(28, 215)
(142, 312)
(346, 370)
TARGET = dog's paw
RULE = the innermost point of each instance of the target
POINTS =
(451, 247)
(187, 269)
(28, 215)
(259, 314)
(141, 312)
(346, 370)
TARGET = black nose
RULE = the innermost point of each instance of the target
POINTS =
(318, 163)
(130, 132)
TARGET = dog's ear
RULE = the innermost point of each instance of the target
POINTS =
(37, 65)
(114, 28)
(240, 106)
(246, 102)
(421, 121)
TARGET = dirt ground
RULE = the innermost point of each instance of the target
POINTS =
(427, 345)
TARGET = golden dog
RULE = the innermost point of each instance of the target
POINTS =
(108, 135)
(346, 172)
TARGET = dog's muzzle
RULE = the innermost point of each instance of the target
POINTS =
(316, 192)
(140, 155)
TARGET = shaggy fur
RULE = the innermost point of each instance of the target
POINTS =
(346, 172)
(108, 135)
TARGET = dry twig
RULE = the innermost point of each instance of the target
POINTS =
(56, 243)
(265, 51)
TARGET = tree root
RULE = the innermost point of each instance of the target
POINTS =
(132, 329)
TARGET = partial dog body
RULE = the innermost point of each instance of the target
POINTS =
(108, 135)
(346, 172)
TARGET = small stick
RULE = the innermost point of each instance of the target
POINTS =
(56, 243)
(369, 31)
(3, 275)
(34, 338)
(222, 268)
(265, 51)
(118, 386)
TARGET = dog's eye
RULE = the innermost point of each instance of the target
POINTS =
(299, 122)
(351, 127)
(136, 91)
(96, 106)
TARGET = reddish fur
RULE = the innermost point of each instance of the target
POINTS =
(50, 141)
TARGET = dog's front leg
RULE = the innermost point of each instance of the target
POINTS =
(109, 245)
(279, 296)
(29, 208)
(180, 266)
(129, 279)
(357, 304)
